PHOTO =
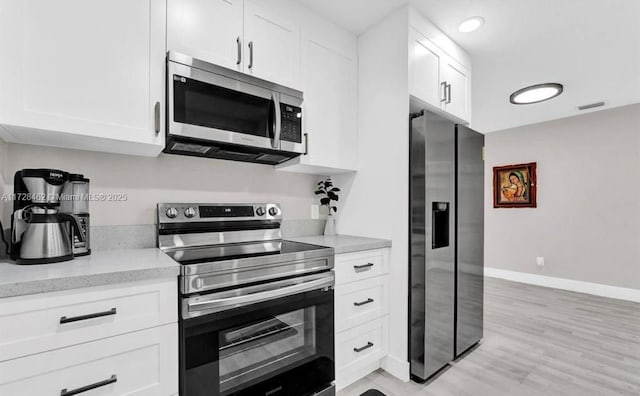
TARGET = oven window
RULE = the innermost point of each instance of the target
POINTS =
(207, 105)
(255, 350)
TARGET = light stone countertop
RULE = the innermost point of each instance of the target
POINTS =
(100, 268)
(344, 243)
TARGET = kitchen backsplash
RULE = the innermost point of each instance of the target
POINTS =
(138, 183)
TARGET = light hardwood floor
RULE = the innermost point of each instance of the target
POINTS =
(538, 341)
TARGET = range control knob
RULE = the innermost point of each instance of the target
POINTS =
(273, 211)
(172, 213)
(260, 211)
(190, 212)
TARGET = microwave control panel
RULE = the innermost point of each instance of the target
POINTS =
(291, 123)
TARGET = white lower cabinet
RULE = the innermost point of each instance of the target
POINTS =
(139, 363)
(361, 313)
(117, 339)
(42, 322)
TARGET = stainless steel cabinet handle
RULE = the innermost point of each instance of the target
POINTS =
(369, 345)
(306, 143)
(365, 302)
(156, 117)
(448, 94)
(86, 388)
(444, 91)
(250, 55)
(363, 266)
(239, 50)
(64, 319)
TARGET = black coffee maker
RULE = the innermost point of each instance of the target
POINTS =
(40, 232)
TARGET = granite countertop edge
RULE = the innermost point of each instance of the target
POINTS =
(81, 281)
(344, 243)
(23, 282)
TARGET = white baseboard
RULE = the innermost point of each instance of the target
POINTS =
(597, 289)
(396, 367)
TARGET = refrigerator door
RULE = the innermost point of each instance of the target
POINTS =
(470, 240)
(432, 238)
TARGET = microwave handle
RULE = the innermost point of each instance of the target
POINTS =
(277, 125)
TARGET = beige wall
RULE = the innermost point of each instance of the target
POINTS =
(167, 178)
(587, 224)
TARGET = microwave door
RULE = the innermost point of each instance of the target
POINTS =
(212, 107)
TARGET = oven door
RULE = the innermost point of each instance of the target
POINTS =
(213, 107)
(275, 342)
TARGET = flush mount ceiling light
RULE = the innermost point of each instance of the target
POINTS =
(536, 93)
(471, 24)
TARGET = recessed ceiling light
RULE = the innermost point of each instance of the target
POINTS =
(471, 24)
(536, 93)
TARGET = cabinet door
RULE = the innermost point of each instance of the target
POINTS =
(457, 79)
(424, 70)
(272, 46)
(210, 30)
(81, 70)
(330, 106)
(141, 363)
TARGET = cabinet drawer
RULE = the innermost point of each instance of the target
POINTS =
(139, 363)
(42, 322)
(350, 267)
(361, 345)
(360, 302)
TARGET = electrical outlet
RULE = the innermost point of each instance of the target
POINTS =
(315, 212)
(540, 261)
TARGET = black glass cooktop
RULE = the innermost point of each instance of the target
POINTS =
(208, 254)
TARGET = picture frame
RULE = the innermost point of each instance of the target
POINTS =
(514, 186)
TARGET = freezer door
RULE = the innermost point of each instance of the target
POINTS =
(432, 237)
(470, 238)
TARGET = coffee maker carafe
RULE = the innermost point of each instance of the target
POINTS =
(40, 233)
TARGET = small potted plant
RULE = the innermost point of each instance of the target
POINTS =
(328, 193)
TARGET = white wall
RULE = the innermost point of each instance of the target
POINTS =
(167, 178)
(587, 224)
(375, 200)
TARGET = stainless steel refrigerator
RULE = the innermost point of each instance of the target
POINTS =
(446, 242)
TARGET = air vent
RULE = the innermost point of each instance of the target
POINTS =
(590, 106)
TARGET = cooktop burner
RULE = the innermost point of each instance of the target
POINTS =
(208, 254)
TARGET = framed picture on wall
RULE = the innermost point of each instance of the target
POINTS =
(514, 186)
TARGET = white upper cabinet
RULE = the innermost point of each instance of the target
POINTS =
(455, 78)
(210, 30)
(238, 34)
(330, 109)
(83, 74)
(272, 45)
(424, 69)
(439, 70)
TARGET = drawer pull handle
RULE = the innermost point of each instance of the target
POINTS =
(64, 319)
(363, 266)
(369, 345)
(86, 388)
(365, 302)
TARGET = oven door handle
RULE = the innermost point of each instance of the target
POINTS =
(216, 303)
(277, 121)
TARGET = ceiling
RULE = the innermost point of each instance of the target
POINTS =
(592, 47)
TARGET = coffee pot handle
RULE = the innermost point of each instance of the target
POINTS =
(75, 224)
(19, 226)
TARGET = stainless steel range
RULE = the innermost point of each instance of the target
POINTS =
(256, 311)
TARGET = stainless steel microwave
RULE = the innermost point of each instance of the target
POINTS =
(216, 112)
